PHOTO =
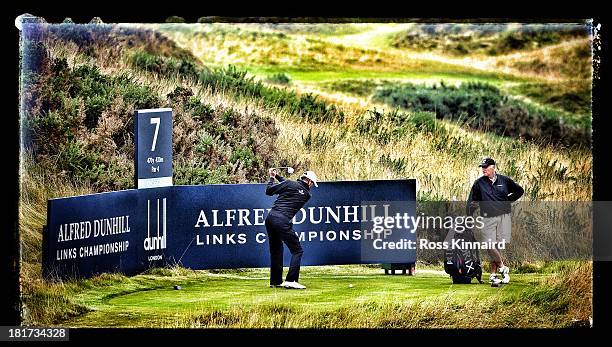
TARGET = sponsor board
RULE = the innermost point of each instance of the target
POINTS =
(219, 226)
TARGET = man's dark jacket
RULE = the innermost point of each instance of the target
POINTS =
(292, 195)
(494, 197)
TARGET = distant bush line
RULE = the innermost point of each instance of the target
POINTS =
(483, 106)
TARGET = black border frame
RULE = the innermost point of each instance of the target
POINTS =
(456, 12)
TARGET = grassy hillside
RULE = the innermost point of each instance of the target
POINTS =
(84, 82)
(551, 85)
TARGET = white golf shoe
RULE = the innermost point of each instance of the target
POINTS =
(494, 280)
(293, 285)
(505, 274)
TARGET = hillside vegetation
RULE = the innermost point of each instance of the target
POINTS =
(489, 39)
(547, 76)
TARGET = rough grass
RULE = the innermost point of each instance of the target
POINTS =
(567, 60)
(36, 186)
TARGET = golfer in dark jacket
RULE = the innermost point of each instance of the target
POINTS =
(494, 193)
(292, 195)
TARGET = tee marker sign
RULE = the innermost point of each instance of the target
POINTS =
(153, 159)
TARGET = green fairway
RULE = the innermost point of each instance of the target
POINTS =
(151, 300)
(454, 75)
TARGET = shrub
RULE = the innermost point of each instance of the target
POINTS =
(245, 156)
(279, 78)
(164, 66)
(205, 143)
(63, 128)
(198, 174)
(423, 120)
(85, 164)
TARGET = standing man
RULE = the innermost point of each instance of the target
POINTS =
(494, 193)
(292, 195)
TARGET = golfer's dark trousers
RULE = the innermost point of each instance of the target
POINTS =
(280, 229)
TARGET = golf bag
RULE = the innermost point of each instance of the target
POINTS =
(462, 264)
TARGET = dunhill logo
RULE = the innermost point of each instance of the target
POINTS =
(156, 242)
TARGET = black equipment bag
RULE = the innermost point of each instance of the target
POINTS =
(462, 264)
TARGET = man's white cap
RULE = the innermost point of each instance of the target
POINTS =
(311, 176)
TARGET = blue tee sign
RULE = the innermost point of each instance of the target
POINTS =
(153, 157)
(221, 226)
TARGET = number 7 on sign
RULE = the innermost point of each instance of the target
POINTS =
(156, 122)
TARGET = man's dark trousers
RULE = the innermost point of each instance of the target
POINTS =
(280, 229)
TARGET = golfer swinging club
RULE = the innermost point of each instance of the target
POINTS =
(292, 195)
(494, 193)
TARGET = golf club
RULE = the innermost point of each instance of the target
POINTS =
(289, 168)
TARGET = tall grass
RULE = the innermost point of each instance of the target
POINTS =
(385, 127)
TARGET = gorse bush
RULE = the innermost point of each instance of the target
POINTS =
(245, 156)
(279, 78)
(572, 96)
(76, 119)
(483, 106)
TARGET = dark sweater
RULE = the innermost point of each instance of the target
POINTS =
(292, 195)
(494, 198)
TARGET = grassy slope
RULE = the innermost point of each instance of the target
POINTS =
(351, 156)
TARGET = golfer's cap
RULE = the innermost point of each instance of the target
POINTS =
(486, 162)
(311, 176)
